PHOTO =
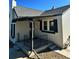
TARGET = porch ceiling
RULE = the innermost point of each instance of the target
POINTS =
(22, 19)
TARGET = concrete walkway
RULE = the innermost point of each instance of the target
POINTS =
(50, 55)
(14, 54)
(65, 52)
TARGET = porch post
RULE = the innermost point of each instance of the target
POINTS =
(32, 34)
(32, 38)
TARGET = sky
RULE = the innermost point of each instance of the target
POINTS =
(42, 4)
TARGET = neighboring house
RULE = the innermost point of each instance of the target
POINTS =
(52, 25)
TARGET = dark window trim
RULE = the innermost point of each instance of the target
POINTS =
(54, 27)
(51, 29)
(52, 32)
(13, 30)
(40, 24)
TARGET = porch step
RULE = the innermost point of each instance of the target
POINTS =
(43, 47)
(27, 52)
(23, 49)
(52, 47)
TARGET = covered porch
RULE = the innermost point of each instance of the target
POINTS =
(27, 36)
(38, 44)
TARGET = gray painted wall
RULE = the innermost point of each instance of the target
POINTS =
(57, 37)
(66, 25)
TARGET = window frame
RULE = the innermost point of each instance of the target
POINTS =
(48, 23)
(51, 28)
(13, 30)
(45, 25)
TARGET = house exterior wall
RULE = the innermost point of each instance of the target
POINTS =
(10, 21)
(22, 27)
(66, 25)
(12, 15)
(57, 37)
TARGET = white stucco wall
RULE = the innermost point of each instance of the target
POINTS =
(22, 27)
(66, 25)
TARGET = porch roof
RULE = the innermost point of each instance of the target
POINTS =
(30, 18)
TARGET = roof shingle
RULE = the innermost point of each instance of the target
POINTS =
(59, 10)
(23, 12)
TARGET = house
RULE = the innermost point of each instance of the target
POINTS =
(51, 25)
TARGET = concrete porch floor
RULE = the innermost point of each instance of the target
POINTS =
(65, 52)
(39, 44)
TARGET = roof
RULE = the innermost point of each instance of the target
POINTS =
(56, 11)
(28, 13)
(23, 11)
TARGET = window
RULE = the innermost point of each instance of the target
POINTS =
(13, 30)
(53, 25)
(45, 25)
